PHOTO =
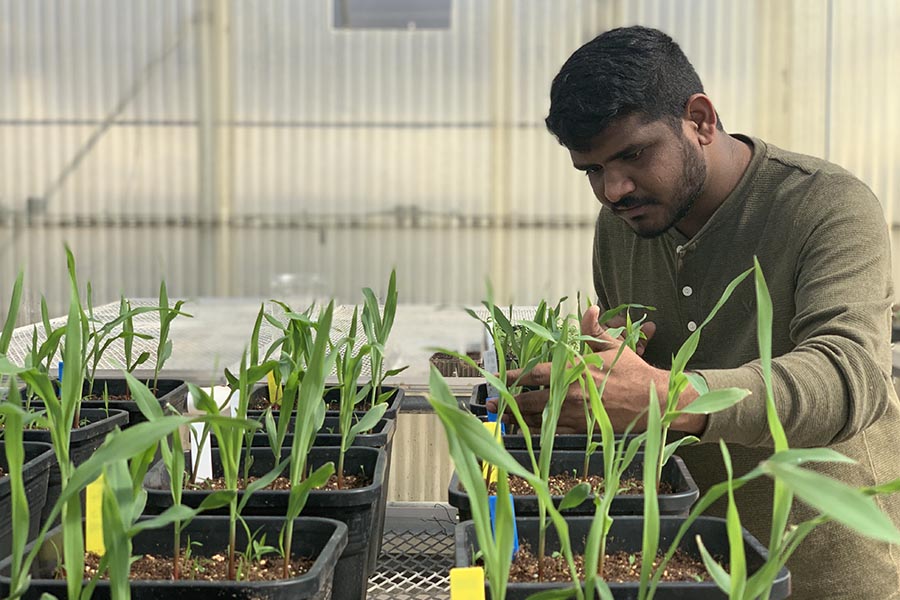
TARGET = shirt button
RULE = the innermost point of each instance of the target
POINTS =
(686, 290)
(691, 326)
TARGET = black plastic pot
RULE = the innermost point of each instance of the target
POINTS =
(381, 436)
(83, 442)
(171, 392)
(261, 392)
(323, 539)
(356, 508)
(625, 535)
(674, 473)
(35, 475)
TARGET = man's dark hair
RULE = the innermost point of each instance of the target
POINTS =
(624, 71)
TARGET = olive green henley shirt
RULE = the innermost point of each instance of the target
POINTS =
(821, 239)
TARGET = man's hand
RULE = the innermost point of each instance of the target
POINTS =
(627, 388)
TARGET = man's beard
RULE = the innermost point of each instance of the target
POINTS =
(689, 188)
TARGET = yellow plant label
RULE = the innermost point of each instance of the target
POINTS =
(494, 428)
(274, 389)
(93, 517)
(467, 583)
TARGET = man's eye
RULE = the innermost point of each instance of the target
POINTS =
(633, 155)
(591, 170)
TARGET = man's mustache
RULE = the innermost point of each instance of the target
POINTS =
(629, 202)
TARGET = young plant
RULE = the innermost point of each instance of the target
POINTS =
(128, 335)
(349, 367)
(470, 442)
(310, 417)
(834, 500)
(378, 328)
(14, 421)
(164, 344)
(137, 442)
(231, 437)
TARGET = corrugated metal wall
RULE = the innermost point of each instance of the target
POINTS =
(220, 144)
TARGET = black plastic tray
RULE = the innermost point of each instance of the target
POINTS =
(625, 535)
(322, 538)
(35, 475)
(83, 442)
(674, 473)
(170, 391)
(356, 508)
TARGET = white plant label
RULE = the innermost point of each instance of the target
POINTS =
(200, 447)
(491, 364)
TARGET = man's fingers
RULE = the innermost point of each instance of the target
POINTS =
(538, 376)
(648, 329)
(590, 326)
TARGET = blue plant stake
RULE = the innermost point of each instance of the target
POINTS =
(59, 374)
(492, 502)
(492, 418)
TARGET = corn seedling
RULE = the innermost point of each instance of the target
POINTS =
(470, 442)
(231, 437)
(349, 367)
(378, 327)
(310, 417)
(138, 441)
(835, 501)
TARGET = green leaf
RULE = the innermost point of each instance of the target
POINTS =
(718, 574)
(715, 401)
(697, 382)
(844, 504)
(798, 456)
(369, 420)
(12, 313)
(575, 496)
(673, 446)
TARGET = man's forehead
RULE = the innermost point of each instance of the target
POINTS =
(621, 133)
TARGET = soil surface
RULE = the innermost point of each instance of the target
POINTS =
(282, 483)
(118, 397)
(2, 472)
(620, 567)
(203, 568)
(561, 484)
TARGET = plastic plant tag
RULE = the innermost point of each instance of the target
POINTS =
(274, 389)
(491, 364)
(492, 503)
(467, 583)
(486, 467)
(492, 418)
(93, 517)
(199, 447)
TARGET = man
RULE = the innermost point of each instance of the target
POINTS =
(685, 208)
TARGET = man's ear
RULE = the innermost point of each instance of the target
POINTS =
(702, 118)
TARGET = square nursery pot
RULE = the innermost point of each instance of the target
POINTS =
(322, 539)
(259, 397)
(451, 366)
(35, 476)
(625, 535)
(83, 442)
(381, 436)
(674, 473)
(355, 507)
(171, 392)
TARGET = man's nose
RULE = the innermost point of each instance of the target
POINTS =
(616, 187)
